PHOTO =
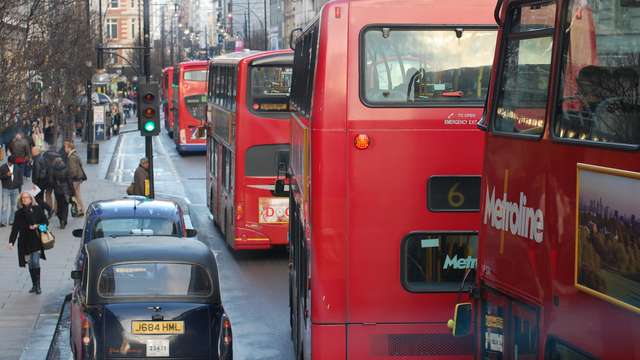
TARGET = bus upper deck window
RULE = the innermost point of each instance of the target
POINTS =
(599, 98)
(523, 84)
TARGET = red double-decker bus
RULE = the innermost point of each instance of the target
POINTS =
(167, 99)
(248, 147)
(381, 236)
(189, 106)
(559, 258)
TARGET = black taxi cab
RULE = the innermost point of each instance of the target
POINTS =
(147, 297)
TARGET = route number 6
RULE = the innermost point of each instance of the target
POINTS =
(455, 197)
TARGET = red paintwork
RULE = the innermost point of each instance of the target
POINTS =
(244, 232)
(541, 275)
(358, 205)
(185, 122)
(167, 95)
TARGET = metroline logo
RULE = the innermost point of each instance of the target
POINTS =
(459, 263)
(516, 217)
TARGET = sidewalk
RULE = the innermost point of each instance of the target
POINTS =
(23, 314)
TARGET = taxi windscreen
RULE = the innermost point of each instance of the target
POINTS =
(134, 226)
(154, 279)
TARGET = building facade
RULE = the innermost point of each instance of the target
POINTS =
(121, 28)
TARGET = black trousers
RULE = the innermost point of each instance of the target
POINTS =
(62, 207)
(40, 200)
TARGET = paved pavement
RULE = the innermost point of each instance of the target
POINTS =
(254, 284)
(23, 314)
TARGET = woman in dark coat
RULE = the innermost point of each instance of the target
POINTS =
(62, 188)
(25, 228)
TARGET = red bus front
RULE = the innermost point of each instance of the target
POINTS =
(386, 162)
(167, 99)
(559, 257)
(190, 103)
(248, 147)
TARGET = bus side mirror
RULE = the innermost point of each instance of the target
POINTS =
(76, 275)
(461, 323)
(279, 187)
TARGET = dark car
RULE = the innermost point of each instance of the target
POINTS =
(132, 216)
(149, 297)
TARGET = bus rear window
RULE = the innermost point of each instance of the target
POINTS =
(154, 279)
(270, 88)
(197, 106)
(196, 75)
(426, 67)
(438, 261)
(266, 160)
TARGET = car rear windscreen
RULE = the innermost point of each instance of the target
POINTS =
(154, 279)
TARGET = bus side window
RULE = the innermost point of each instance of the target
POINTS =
(557, 350)
(599, 99)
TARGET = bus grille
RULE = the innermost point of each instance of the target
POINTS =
(422, 345)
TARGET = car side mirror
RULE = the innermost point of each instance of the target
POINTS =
(461, 323)
(192, 233)
(76, 275)
(77, 233)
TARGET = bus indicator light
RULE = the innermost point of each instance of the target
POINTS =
(362, 141)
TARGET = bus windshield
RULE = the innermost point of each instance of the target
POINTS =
(196, 75)
(270, 88)
(423, 67)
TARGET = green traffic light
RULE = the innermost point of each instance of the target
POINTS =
(149, 126)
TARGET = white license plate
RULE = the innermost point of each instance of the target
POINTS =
(157, 348)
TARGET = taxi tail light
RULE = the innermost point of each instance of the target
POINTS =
(87, 339)
(226, 340)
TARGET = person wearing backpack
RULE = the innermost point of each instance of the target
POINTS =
(40, 177)
(49, 156)
(62, 189)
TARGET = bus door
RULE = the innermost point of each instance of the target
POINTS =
(509, 329)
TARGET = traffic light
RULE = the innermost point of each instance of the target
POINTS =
(149, 113)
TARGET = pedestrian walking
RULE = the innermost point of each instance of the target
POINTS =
(117, 119)
(48, 131)
(140, 186)
(40, 177)
(26, 231)
(20, 148)
(11, 177)
(76, 174)
(62, 189)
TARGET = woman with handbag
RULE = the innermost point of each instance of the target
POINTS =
(29, 224)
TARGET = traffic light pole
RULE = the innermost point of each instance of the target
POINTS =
(148, 140)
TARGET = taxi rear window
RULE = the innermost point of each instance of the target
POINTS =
(154, 279)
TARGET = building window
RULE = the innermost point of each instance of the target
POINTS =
(133, 28)
(114, 4)
(112, 28)
(133, 3)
